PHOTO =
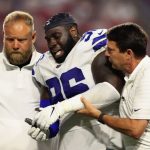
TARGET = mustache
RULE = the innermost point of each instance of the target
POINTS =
(15, 52)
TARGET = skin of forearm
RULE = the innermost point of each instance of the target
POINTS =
(126, 126)
(131, 127)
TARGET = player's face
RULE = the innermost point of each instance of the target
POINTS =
(59, 42)
(118, 59)
(18, 42)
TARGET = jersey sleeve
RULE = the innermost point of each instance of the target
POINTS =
(94, 41)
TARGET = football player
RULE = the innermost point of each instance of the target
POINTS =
(73, 67)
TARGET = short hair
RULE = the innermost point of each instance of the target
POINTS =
(19, 15)
(59, 19)
(129, 36)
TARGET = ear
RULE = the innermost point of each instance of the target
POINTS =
(34, 36)
(74, 33)
(130, 52)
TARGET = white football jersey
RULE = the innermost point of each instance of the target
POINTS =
(68, 79)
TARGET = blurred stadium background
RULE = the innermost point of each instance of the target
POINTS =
(89, 14)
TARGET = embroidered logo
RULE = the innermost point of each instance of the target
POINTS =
(135, 110)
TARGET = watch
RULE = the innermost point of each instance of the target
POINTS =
(100, 118)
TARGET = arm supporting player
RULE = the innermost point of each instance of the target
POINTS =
(101, 95)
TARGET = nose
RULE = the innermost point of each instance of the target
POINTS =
(52, 42)
(106, 53)
(16, 44)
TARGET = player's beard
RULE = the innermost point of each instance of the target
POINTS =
(18, 58)
(67, 48)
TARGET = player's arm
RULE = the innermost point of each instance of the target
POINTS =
(45, 93)
(103, 92)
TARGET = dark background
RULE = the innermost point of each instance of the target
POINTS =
(89, 14)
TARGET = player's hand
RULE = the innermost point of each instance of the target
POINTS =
(42, 117)
(47, 116)
(38, 134)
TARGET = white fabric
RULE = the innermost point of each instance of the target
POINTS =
(135, 102)
(19, 96)
(75, 71)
